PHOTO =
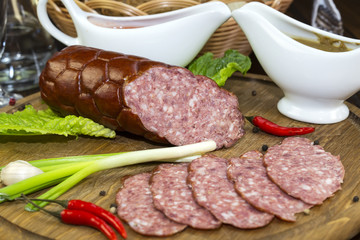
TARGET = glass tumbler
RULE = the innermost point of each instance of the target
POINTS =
(5, 97)
(27, 48)
(3, 7)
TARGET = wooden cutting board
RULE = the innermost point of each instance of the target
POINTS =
(337, 218)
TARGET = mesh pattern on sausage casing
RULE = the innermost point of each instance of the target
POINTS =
(160, 102)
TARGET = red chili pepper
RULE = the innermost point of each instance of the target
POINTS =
(80, 217)
(100, 212)
(12, 101)
(272, 128)
(76, 204)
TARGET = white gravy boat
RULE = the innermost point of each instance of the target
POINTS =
(174, 37)
(315, 82)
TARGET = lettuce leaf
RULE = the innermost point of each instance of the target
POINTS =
(33, 122)
(220, 69)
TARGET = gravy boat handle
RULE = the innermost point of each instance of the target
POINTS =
(51, 28)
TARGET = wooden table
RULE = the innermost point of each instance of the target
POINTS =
(337, 218)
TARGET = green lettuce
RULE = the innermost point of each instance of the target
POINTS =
(33, 122)
(220, 69)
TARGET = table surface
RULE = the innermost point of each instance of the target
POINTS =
(337, 218)
(301, 10)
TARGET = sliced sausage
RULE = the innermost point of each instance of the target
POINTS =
(174, 198)
(128, 93)
(253, 184)
(135, 206)
(304, 170)
(214, 191)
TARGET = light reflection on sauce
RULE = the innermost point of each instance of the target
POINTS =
(325, 44)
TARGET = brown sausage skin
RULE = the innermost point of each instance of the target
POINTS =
(161, 102)
(88, 82)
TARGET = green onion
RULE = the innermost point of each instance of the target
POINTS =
(74, 169)
(37, 188)
(72, 159)
(59, 166)
(12, 191)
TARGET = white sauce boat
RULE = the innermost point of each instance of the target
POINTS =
(174, 37)
(315, 82)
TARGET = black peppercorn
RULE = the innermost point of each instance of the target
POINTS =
(21, 107)
(255, 129)
(102, 193)
(253, 93)
(316, 142)
(264, 148)
(356, 199)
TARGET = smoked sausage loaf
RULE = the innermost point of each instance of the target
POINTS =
(163, 103)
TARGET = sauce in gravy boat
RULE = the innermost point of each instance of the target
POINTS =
(174, 37)
(315, 82)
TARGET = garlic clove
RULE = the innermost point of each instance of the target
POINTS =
(17, 171)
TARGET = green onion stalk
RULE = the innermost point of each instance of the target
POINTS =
(49, 163)
(34, 183)
(71, 172)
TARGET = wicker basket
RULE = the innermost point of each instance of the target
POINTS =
(227, 36)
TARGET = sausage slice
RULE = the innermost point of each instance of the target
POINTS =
(304, 170)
